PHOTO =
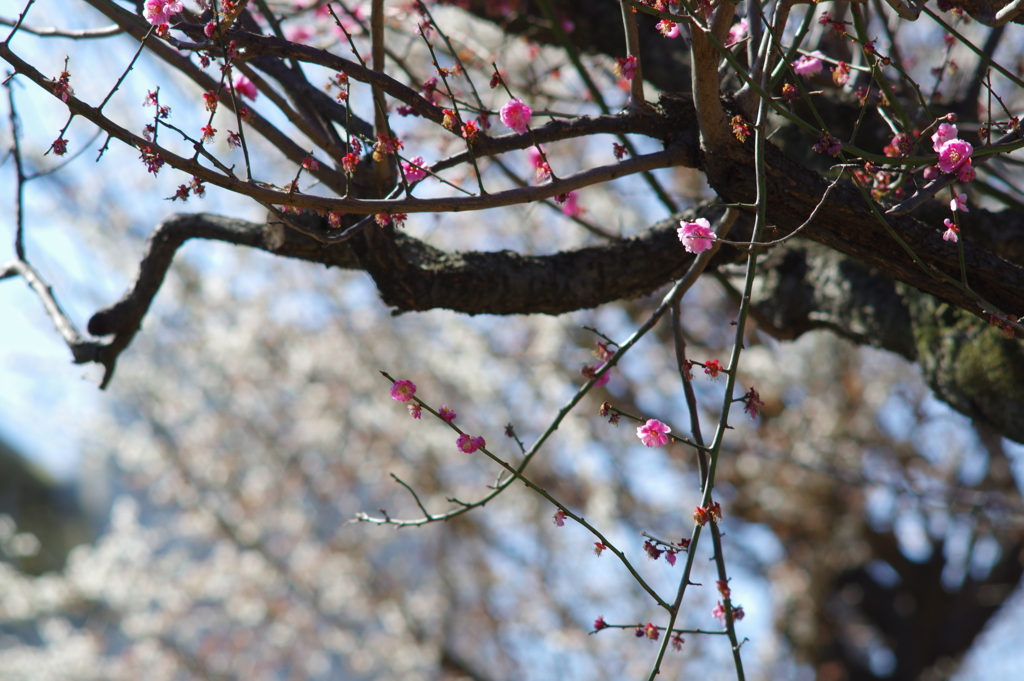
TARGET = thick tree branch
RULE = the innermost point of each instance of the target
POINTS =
(849, 226)
(968, 363)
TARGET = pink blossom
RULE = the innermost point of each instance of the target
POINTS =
(588, 372)
(653, 552)
(386, 145)
(600, 624)
(625, 67)
(807, 65)
(430, 89)
(245, 87)
(670, 557)
(966, 173)
(538, 162)
(403, 390)
(752, 402)
(62, 87)
(669, 29)
(696, 236)
(415, 410)
(719, 613)
(738, 32)
(469, 444)
(959, 203)
(951, 231)
(208, 132)
(931, 172)
(841, 73)
(653, 433)
(414, 171)
(828, 145)
(470, 130)
(953, 154)
(447, 415)
(900, 146)
(570, 204)
(559, 518)
(945, 133)
(211, 98)
(310, 163)
(160, 11)
(153, 160)
(516, 115)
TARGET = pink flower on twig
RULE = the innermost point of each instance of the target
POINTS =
(246, 88)
(160, 11)
(653, 433)
(951, 231)
(403, 391)
(669, 29)
(413, 169)
(954, 154)
(945, 133)
(807, 65)
(696, 236)
(516, 115)
(738, 32)
(570, 204)
(625, 67)
(469, 444)
(543, 170)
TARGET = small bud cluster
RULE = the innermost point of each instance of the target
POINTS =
(740, 128)
(625, 67)
(606, 412)
(405, 391)
(703, 514)
(385, 146)
(654, 553)
(752, 402)
(828, 144)
(62, 86)
(195, 187)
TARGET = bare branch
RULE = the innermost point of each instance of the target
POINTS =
(84, 34)
(82, 350)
